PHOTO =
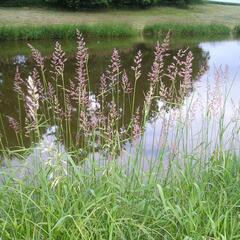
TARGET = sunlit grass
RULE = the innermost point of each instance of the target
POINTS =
(64, 31)
(187, 29)
(193, 203)
(205, 13)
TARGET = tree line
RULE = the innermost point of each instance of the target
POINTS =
(81, 4)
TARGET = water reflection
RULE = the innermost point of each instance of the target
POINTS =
(98, 62)
(211, 54)
(49, 150)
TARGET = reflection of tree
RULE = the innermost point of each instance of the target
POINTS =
(97, 65)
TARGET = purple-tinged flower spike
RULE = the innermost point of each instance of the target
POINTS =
(114, 68)
(126, 86)
(113, 113)
(186, 72)
(59, 113)
(69, 109)
(58, 60)
(94, 120)
(103, 83)
(138, 64)
(31, 99)
(161, 51)
(174, 68)
(51, 92)
(36, 79)
(81, 61)
(37, 56)
(163, 92)
(13, 123)
(215, 99)
(115, 61)
(149, 96)
(136, 129)
(84, 124)
(73, 90)
(18, 81)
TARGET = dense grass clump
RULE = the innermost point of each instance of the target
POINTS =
(109, 30)
(187, 29)
(64, 31)
(192, 204)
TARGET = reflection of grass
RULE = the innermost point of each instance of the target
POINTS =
(96, 45)
(236, 30)
(64, 31)
(188, 29)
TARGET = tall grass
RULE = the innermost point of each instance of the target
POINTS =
(192, 204)
(67, 31)
(64, 31)
(102, 179)
(187, 29)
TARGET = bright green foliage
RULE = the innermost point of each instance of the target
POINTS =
(191, 204)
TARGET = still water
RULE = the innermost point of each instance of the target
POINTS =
(220, 58)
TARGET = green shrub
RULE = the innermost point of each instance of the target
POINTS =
(77, 4)
(83, 4)
(21, 3)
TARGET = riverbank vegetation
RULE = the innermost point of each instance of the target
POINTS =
(115, 31)
(37, 22)
(98, 175)
(192, 203)
(65, 31)
(196, 14)
(189, 30)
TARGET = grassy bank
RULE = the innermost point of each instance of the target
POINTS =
(199, 14)
(113, 30)
(35, 23)
(192, 30)
(65, 31)
(192, 204)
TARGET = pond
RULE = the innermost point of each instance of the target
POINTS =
(215, 68)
